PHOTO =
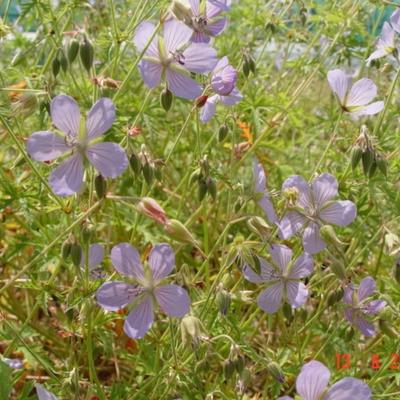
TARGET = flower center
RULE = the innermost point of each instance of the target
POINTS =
(200, 24)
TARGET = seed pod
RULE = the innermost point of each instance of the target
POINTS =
(287, 312)
(148, 173)
(86, 53)
(76, 254)
(63, 61)
(158, 173)
(367, 159)
(223, 131)
(252, 64)
(166, 98)
(202, 188)
(276, 371)
(73, 49)
(382, 164)
(228, 368)
(135, 164)
(191, 330)
(356, 154)
(372, 169)
(100, 185)
(212, 188)
(56, 66)
(176, 230)
(66, 249)
(246, 67)
(223, 300)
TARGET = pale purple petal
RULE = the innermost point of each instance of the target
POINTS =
(370, 109)
(161, 261)
(377, 54)
(195, 6)
(349, 315)
(108, 158)
(44, 394)
(349, 389)
(209, 109)
(65, 114)
(395, 20)
(67, 178)
(96, 255)
(217, 27)
(142, 35)
(324, 188)
(176, 34)
(199, 58)
(291, 223)
(215, 7)
(339, 82)
(14, 363)
(182, 85)
(126, 260)
(367, 288)
(46, 146)
(151, 73)
(267, 206)
(348, 295)
(312, 380)
(114, 296)
(302, 267)
(234, 97)
(224, 77)
(173, 300)
(365, 327)
(100, 118)
(281, 255)
(200, 37)
(297, 293)
(361, 93)
(267, 272)
(270, 299)
(312, 240)
(374, 307)
(387, 36)
(140, 319)
(340, 213)
(285, 398)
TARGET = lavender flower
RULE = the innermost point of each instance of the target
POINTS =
(313, 208)
(113, 296)
(96, 256)
(175, 57)
(210, 107)
(224, 77)
(312, 384)
(206, 21)
(356, 99)
(385, 44)
(395, 20)
(14, 363)
(357, 307)
(260, 188)
(43, 394)
(108, 158)
(282, 277)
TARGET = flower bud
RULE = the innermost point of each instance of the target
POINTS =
(329, 235)
(228, 368)
(76, 254)
(86, 53)
(100, 185)
(356, 154)
(396, 271)
(202, 188)
(338, 269)
(176, 230)
(288, 312)
(246, 67)
(55, 66)
(276, 371)
(382, 164)
(259, 226)
(201, 100)
(73, 49)
(66, 249)
(223, 131)
(372, 168)
(166, 98)
(349, 333)
(152, 209)
(182, 12)
(252, 64)
(148, 173)
(367, 160)
(191, 330)
(135, 164)
(334, 297)
(212, 188)
(86, 233)
(63, 61)
(387, 329)
(223, 300)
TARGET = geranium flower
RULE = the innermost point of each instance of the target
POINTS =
(224, 77)
(313, 208)
(357, 307)
(96, 256)
(385, 44)
(147, 290)
(312, 384)
(283, 278)
(173, 56)
(44, 394)
(109, 159)
(206, 21)
(356, 99)
(260, 189)
(395, 20)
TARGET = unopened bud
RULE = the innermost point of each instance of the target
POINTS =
(148, 173)
(276, 371)
(287, 312)
(191, 330)
(182, 12)
(228, 368)
(388, 329)
(76, 254)
(66, 249)
(201, 100)
(73, 49)
(372, 168)
(396, 271)
(152, 209)
(259, 226)
(334, 297)
(166, 98)
(328, 233)
(367, 160)
(135, 164)
(100, 185)
(212, 188)
(55, 66)
(356, 154)
(86, 53)
(223, 131)
(87, 231)
(202, 188)
(176, 230)
(223, 300)
(63, 61)
(338, 269)
(382, 164)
